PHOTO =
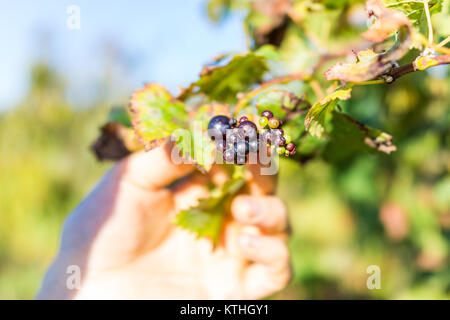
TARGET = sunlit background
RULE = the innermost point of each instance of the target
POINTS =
(57, 85)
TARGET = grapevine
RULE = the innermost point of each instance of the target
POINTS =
(251, 102)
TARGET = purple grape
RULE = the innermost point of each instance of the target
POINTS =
(277, 132)
(218, 126)
(253, 145)
(221, 145)
(279, 141)
(233, 136)
(290, 146)
(293, 151)
(267, 113)
(242, 119)
(241, 147)
(266, 137)
(228, 156)
(248, 130)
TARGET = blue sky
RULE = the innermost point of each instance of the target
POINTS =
(166, 41)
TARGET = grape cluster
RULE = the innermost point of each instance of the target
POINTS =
(237, 138)
(274, 135)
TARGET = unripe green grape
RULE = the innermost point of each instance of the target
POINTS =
(263, 122)
(287, 137)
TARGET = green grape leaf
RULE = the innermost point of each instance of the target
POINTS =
(414, 9)
(205, 220)
(269, 51)
(441, 19)
(156, 114)
(316, 116)
(280, 102)
(223, 83)
(348, 136)
(120, 115)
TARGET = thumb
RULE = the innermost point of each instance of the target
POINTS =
(154, 169)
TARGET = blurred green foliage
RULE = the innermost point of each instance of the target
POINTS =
(46, 169)
(362, 209)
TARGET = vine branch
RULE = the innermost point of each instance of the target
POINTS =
(420, 64)
(412, 67)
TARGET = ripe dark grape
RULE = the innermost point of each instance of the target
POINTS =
(279, 141)
(242, 119)
(253, 145)
(293, 151)
(267, 113)
(221, 145)
(218, 126)
(233, 136)
(267, 136)
(248, 130)
(242, 147)
(277, 132)
(228, 156)
(290, 146)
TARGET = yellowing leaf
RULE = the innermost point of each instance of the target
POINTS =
(387, 21)
(369, 64)
(315, 118)
(156, 114)
(425, 62)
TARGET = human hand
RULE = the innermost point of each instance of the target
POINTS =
(122, 238)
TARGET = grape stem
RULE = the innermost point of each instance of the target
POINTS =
(403, 70)
(443, 42)
(428, 16)
(280, 80)
(437, 47)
